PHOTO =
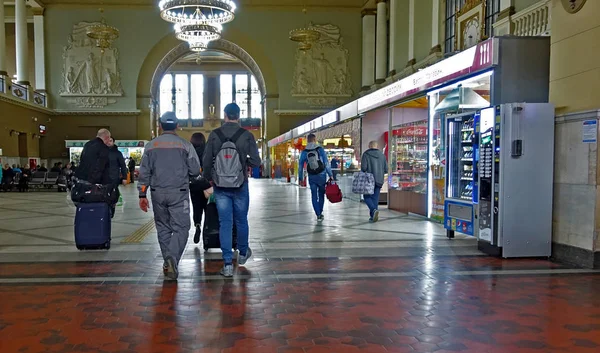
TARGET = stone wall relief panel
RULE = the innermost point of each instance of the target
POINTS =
(321, 74)
(90, 78)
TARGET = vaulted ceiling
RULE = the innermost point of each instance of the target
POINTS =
(308, 3)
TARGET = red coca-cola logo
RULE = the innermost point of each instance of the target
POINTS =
(411, 131)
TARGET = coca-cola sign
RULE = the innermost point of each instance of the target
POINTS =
(419, 131)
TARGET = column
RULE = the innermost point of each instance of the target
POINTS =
(368, 48)
(381, 48)
(504, 25)
(40, 56)
(435, 28)
(411, 33)
(392, 43)
(21, 42)
(2, 41)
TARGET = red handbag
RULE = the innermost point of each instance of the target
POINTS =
(333, 192)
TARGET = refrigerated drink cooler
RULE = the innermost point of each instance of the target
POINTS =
(515, 166)
(461, 174)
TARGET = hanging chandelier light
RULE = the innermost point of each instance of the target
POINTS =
(102, 33)
(305, 37)
(208, 12)
(198, 35)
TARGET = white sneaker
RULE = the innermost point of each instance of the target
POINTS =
(227, 271)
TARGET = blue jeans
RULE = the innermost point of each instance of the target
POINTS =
(372, 201)
(233, 205)
(317, 190)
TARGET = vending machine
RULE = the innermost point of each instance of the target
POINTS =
(515, 180)
(461, 173)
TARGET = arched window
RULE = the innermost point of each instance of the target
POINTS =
(197, 96)
(166, 94)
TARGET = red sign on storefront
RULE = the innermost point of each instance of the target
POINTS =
(420, 131)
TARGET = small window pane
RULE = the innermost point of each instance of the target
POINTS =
(255, 105)
(241, 94)
(197, 98)
(226, 83)
(182, 97)
(166, 94)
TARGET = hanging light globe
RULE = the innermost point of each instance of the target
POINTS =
(208, 12)
(198, 35)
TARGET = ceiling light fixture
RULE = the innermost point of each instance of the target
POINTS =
(197, 11)
(102, 33)
(305, 37)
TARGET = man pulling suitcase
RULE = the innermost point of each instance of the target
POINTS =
(167, 165)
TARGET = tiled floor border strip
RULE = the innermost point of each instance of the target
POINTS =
(295, 277)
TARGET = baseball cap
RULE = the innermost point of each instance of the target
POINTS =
(169, 118)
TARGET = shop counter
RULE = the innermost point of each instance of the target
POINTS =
(408, 202)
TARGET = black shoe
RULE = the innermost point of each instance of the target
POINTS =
(197, 235)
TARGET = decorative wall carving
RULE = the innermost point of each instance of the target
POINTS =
(87, 72)
(92, 102)
(323, 69)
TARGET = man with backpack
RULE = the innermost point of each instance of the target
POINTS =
(317, 167)
(229, 152)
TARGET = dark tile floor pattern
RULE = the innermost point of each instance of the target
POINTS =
(427, 312)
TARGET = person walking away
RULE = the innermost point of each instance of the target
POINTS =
(93, 165)
(117, 171)
(167, 165)
(335, 167)
(131, 166)
(373, 161)
(318, 169)
(197, 186)
(229, 152)
(24, 180)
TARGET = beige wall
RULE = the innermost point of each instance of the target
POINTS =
(22, 119)
(574, 64)
(82, 127)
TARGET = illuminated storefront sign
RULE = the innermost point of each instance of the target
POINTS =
(469, 61)
(120, 143)
(330, 117)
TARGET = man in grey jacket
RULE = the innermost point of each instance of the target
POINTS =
(374, 162)
(167, 165)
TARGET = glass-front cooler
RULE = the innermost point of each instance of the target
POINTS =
(461, 173)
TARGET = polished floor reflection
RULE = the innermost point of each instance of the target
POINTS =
(343, 286)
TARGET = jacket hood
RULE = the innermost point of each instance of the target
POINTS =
(312, 145)
(373, 152)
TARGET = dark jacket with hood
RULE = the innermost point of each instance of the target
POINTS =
(117, 170)
(200, 183)
(374, 162)
(93, 166)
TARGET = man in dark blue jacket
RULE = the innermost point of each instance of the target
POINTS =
(317, 167)
(117, 170)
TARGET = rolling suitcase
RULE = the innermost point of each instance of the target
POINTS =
(210, 232)
(92, 226)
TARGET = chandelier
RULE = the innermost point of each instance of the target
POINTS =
(198, 35)
(208, 12)
(197, 22)
(305, 36)
(102, 33)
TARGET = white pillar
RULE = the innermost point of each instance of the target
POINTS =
(411, 31)
(381, 48)
(368, 48)
(21, 42)
(393, 30)
(435, 26)
(40, 59)
(503, 25)
(2, 41)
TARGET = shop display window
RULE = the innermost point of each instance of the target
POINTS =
(409, 157)
(343, 151)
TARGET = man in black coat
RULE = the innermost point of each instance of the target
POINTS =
(93, 165)
(117, 170)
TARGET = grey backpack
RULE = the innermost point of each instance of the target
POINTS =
(228, 169)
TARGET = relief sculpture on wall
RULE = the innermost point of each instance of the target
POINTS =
(89, 72)
(321, 74)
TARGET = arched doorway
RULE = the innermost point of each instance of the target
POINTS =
(200, 79)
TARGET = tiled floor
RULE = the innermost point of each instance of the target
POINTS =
(343, 286)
